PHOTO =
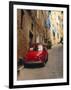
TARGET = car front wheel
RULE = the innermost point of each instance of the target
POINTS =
(46, 58)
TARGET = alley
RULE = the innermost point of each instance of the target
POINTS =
(52, 69)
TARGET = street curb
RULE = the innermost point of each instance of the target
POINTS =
(20, 68)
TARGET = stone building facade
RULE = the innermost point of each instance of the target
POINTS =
(30, 29)
(56, 18)
(37, 26)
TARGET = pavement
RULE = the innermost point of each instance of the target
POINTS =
(52, 70)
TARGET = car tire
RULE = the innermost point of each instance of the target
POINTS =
(46, 59)
(43, 64)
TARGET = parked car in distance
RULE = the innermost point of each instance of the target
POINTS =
(36, 54)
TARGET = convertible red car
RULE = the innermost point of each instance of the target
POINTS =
(36, 54)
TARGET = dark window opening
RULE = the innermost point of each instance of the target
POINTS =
(49, 12)
(32, 26)
(22, 13)
(30, 38)
(61, 12)
(29, 12)
(53, 33)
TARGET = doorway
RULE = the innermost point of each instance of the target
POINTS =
(30, 38)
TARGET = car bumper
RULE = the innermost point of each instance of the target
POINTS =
(33, 62)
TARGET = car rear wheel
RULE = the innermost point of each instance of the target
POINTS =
(46, 58)
(44, 63)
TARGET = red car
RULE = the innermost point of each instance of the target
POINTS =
(36, 54)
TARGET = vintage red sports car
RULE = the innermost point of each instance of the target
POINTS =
(36, 54)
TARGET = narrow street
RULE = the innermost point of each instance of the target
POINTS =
(52, 69)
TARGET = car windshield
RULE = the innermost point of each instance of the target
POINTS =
(36, 48)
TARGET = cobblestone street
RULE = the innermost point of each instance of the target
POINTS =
(52, 69)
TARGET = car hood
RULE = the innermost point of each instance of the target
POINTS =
(33, 54)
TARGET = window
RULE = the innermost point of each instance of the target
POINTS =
(53, 33)
(47, 23)
(22, 13)
(32, 26)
